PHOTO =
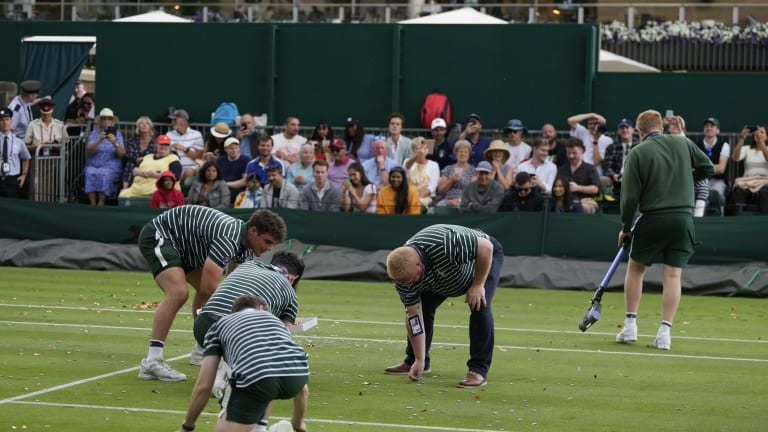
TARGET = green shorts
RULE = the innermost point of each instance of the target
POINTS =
(203, 323)
(247, 405)
(669, 234)
(157, 250)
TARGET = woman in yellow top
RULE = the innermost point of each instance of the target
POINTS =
(397, 197)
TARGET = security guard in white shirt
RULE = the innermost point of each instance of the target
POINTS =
(14, 157)
(22, 105)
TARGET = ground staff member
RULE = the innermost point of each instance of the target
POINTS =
(15, 158)
(194, 244)
(444, 261)
(658, 181)
(266, 365)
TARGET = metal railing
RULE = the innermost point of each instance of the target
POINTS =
(632, 13)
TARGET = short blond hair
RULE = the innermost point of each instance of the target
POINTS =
(417, 143)
(399, 261)
(649, 121)
(462, 144)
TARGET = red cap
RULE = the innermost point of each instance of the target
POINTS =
(163, 139)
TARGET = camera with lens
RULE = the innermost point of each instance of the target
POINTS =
(110, 130)
(752, 128)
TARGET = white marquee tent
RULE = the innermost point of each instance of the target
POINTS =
(154, 16)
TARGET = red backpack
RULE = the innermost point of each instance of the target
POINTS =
(436, 105)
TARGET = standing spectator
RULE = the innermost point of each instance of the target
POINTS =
(193, 244)
(718, 151)
(471, 134)
(483, 195)
(73, 111)
(248, 135)
(556, 149)
(519, 150)
(424, 174)
(377, 168)
(615, 154)
(263, 160)
(278, 192)
(232, 165)
(138, 146)
(187, 142)
(562, 200)
(266, 365)
(443, 261)
(22, 104)
(167, 194)
(522, 196)
(104, 161)
(542, 171)
(583, 180)
(399, 145)
(300, 173)
(84, 111)
(658, 181)
(440, 150)
(15, 158)
(593, 137)
(251, 196)
(358, 193)
(321, 195)
(454, 178)
(209, 189)
(497, 155)
(357, 142)
(752, 187)
(398, 197)
(288, 143)
(337, 171)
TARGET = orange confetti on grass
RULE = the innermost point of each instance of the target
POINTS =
(145, 305)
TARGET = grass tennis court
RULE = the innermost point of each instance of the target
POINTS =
(72, 342)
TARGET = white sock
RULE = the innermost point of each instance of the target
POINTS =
(699, 207)
(631, 319)
(155, 350)
(665, 327)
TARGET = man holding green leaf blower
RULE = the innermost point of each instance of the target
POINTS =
(658, 181)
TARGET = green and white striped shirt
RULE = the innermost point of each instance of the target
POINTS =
(257, 346)
(263, 280)
(198, 232)
(448, 253)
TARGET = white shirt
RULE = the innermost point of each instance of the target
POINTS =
(290, 147)
(585, 136)
(191, 140)
(546, 172)
(517, 153)
(16, 153)
(22, 116)
(755, 162)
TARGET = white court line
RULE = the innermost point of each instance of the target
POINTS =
(214, 415)
(434, 343)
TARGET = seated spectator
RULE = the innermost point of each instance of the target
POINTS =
(440, 148)
(278, 192)
(138, 146)
(423, 174)
(321, 195)
(337, 170)
(288, 142)
(377, 168)
(399, 146)
(263, 160)
(592, 137)
(583, 180)
(454, 178)
(168, 193)
(152, 166)
(482, 195)
(616, 153)
(322, 135)
(397, 197)
(478, 143)
(248, 135)
(562, 200)
(104, 160)
(556, 148)
(497, 155)
(357, 142)
(522, 196)
(718, 150)
(542, 171)
(251, 196)
(214, 143)
(359, 194)
(186, 142)
(752, 187)
(519, 150)
(232, 165)
(300, 173)
(209, 189)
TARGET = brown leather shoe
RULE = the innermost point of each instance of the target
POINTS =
(402, 369)
(472, 379)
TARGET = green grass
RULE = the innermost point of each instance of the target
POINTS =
(72, 340)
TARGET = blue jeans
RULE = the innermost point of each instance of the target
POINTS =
(481, 331)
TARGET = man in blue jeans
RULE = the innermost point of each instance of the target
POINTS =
(443, 261)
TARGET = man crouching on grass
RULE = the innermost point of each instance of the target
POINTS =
(266, 364)
(443, 261)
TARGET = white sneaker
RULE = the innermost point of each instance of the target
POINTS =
(196, 357)
(662, 341)
(281, 426)
(628, 334)
(160, 370)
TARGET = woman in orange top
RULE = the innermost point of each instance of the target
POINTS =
(397, 197)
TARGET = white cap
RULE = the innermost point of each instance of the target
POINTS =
(438, 122)
(106, 112)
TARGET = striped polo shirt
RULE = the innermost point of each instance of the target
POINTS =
(263, 280)
(198, 232)
(448, 253)
(257, 346)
